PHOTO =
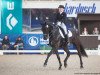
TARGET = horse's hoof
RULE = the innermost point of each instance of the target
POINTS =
(65, 65)
(81, 67)
(59, 68)
(45, 65)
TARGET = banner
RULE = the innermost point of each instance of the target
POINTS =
(11, 17)
(31, 41)
(72, 8)
(0, 16)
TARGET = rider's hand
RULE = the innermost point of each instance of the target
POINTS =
(59, 23)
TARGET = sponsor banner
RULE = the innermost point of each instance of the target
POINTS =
(72, 8)
(35, 41)
(31, 41)
(0, 16)
(11, 16)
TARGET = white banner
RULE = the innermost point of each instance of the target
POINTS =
(72, 8)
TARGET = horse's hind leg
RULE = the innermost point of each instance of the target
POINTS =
(58, 57)
(49, 54)
(68, 54)
(79, 54)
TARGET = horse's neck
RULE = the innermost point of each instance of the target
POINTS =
(55, 33)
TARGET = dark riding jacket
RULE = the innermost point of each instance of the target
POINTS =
(5, 42)
(18, 42)
(60, 17)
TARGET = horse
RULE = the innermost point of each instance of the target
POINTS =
(52, 33)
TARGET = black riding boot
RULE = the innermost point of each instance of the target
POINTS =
(67, 39)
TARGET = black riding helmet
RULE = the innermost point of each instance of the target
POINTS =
(61, 6)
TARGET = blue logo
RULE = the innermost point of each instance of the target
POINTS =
(33, 41)
(42, 41)
(80, 9)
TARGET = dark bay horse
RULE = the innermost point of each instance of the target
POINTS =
(52, 32)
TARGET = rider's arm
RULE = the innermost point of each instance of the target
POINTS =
(63, 18)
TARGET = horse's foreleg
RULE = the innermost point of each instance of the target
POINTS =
(79, 54)
(58, 57)
(49, 54)
(68, 54)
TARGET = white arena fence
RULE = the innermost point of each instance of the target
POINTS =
(89, 52)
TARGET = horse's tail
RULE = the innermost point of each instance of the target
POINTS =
(83, 52)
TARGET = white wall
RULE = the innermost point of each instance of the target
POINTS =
(42, 4)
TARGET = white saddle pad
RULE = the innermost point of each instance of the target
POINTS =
(69, 33)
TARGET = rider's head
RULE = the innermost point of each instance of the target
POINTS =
(61, 8)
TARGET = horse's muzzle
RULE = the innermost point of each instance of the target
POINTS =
(45, 36)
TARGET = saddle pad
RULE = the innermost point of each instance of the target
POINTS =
(69, 33)
(61, 33)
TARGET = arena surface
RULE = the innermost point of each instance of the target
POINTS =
(33, 65)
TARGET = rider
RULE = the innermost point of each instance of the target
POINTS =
(60, 20)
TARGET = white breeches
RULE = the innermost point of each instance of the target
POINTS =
(63, 26)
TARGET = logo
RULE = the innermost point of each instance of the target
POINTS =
(10, 5)
(79, 8)
(33, 41)
(42, 41)
(11, 21)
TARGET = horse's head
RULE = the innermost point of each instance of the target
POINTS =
(46, 29)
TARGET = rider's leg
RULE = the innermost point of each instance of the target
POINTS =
(63, 26)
